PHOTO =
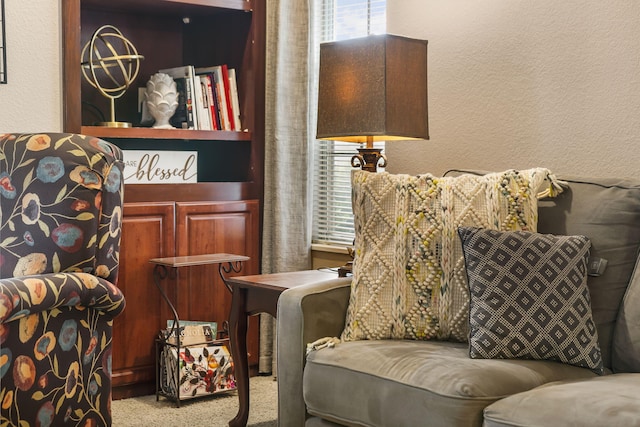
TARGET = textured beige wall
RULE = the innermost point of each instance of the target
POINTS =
(523, 83)
(32, 99)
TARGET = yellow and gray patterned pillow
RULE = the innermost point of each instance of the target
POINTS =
(529, 297)
(409, 280)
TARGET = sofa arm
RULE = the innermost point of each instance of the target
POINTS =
(305, 314)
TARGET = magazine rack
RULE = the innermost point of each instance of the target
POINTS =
(188, 369)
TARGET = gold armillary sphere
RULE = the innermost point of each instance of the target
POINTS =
(110, 63)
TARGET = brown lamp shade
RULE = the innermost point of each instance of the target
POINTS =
(373, 89)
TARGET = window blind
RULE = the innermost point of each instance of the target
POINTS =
(347, 19)
(332, 212)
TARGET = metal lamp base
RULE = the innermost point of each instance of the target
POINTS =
(369, 159)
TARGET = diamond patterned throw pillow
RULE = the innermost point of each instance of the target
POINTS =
(529, 297)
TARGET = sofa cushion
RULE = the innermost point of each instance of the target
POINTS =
(607, 211)
(416, 382)
(529, 297)
(409, 279)
(611, 400)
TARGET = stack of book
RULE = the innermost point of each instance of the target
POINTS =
(191, 332)
(207, 98)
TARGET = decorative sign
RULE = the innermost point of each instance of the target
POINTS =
(160, 167)
(3, 46)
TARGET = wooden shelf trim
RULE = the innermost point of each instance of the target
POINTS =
(150, 133)
(219, 191)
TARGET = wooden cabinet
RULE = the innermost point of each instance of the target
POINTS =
(220, 213)
(164, 229)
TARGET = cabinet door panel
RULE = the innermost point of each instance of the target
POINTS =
(213, 227)
(147, 232)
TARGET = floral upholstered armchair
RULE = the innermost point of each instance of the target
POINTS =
(60, 220)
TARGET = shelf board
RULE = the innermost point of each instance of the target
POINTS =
(150, 133)
(172, 6)
(226, 4)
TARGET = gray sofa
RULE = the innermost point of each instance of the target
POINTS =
(436, 383)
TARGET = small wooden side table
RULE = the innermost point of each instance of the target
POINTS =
(251, 295)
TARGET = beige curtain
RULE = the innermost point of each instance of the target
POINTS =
(286, 242)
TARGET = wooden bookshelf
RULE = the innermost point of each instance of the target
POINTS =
(220, 213)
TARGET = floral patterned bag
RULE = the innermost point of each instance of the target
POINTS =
(196, 370)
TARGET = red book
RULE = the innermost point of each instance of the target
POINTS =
(227, 95)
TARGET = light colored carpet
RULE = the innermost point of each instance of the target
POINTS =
(215, 410)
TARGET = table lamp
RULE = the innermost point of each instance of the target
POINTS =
(373, 89)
